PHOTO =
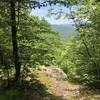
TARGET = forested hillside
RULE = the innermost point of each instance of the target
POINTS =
(35, 61)
(65, 30)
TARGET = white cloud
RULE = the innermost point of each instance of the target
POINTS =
(52, 20)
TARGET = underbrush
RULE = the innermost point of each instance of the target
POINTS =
(10, 95)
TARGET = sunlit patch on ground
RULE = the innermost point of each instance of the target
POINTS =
(48, 83)
(53, 80)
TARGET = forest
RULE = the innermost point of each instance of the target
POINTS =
(37, 64)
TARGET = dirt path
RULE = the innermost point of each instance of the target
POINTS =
(60, 87)
(50, 83)
(54, 79)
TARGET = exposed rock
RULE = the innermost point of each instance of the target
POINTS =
(60, 87)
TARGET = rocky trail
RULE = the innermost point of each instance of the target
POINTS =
(61, 88)
(57, 84)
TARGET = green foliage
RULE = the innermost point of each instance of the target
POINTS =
(82, 53)
(36, 41)
(39, 45)
(11, 95)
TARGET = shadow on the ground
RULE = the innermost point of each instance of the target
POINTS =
(33, 89)
(27, 90)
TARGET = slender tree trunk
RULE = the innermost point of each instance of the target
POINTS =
(14, 40)
(1, 56)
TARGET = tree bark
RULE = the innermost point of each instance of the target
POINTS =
(14, 40)
(1, 56)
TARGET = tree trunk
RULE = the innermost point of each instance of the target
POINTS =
(14, 40)
(1, 56)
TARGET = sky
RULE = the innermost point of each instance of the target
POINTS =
(52, 20)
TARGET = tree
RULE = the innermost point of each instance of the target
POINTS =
(14, 39)
(36, 40)
(88, 66)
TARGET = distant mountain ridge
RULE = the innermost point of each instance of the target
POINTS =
(65, 30)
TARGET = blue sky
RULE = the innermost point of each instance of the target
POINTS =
(52, 20)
